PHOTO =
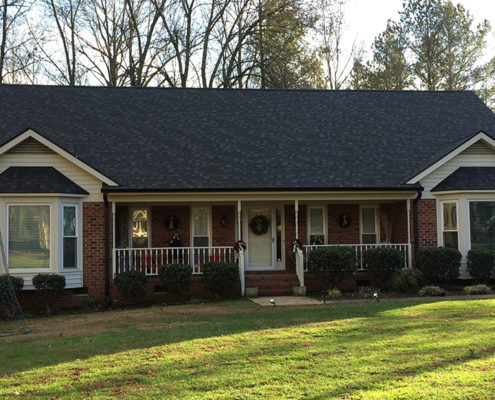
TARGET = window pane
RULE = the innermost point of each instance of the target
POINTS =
(316, 221)
(316, 239)
(449, 216)
(140, 228)
(450, 240)
(200, 216)
(369, 220)
(482, 222)
(70, 252)
(201, 241)
(29, 236)
(69, 221)
(369, 238)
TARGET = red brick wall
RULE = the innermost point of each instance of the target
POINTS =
(290, 230)
(223, 235)
(94, 248)
(427, 223)
(337, 234)
(160, 234)
(397, 213)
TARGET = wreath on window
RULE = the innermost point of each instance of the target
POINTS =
(259, 224)
(344, 220)
(171, 222)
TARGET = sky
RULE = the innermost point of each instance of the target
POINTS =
(365, 19)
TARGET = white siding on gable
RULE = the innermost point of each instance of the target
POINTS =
(480, 154)
(31, 153)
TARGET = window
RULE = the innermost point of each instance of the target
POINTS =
(29, 236)
(200, 219)
(316, 225)
(449, 225)
(69, 236)
(482, 223)
(139, 219)
(368, 225)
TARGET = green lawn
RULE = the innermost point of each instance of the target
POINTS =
(236, 350)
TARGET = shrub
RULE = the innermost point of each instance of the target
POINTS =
(382, 261)
(338, 262)
(438, 264)
(7, 280)
(131, 285)
(48, 287)
(480, 264)
(477, 289)
(175, 278)
(431, 290)
(7, 284)
(407, 280)
(219, 277)
(367, 292)
(334, 294)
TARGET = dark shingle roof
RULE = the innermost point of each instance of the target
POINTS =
(37, 180)
(468, 178)
(206, 139)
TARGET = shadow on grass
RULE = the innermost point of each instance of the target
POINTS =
(22, 355)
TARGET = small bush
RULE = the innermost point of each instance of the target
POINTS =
(338, 262)
(382, 261)
(48, 287)
(431, 290)
(175, 278)
(220, 277)
(407, 280)
(131, 285)
(480, 264)
(367, 292)
(6, 280)
(438, 264)
(334, 294)
(477, 289)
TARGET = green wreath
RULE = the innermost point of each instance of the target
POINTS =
(259, 224)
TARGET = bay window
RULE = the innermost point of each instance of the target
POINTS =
(450, 232)
(482, 224)
(29, 236)
(69, 236)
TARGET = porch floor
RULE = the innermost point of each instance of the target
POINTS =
(285, 301)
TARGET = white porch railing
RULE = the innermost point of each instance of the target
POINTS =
(149, 260)
(360, 249)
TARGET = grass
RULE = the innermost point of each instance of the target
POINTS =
(236, 350)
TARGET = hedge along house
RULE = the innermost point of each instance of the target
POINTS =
(94, 181)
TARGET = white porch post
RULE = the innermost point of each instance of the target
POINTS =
(241, 252)
(114, 253)
(296, 208)
(409, 249)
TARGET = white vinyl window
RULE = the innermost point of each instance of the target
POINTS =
(482, 224)
(368, 225)
(69, 236)
(450, 234)
(140, 227)
(29, 236)
(316, 228)
(200, 226)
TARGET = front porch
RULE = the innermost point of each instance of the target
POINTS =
(149, 234)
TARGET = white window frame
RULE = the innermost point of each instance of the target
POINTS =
(442, 202)
(469, 216)
(7, 240)
(325, 222)
(377, 223)
(77, 237)
(209, 225)
(131, 224)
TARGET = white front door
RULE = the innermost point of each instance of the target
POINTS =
(261, 239)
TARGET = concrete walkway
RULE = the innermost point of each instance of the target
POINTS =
(285, 301)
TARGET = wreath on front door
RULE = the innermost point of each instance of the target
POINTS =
(259, 224)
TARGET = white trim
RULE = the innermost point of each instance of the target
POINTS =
(131, 224)
(77, 237)
(464, 192)
(32, 134)
(469, 217)
(479, 136)
(52, 235)
(441, 230)
(324, 209)
(68, 195)
(377, 223)
(209, 227)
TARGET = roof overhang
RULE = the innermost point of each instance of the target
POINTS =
(450, 155)
(30, 133)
